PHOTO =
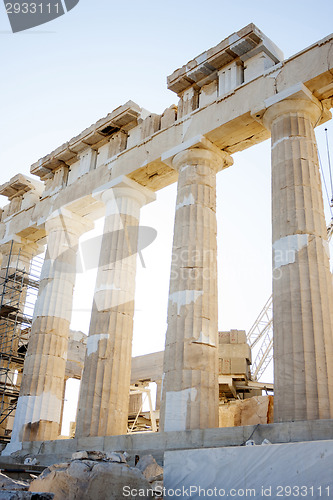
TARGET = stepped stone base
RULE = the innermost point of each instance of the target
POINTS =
(51, 452)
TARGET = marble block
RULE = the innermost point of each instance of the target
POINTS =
(273, 470)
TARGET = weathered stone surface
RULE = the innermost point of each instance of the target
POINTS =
(75, 354)
(257, 410)
(115, 456)
(229, 415)
(38, 412)
(104, 396)
(6, 483)
(252, 411)
(302, 281)
(80, 455)
(96, 455)
(190, 385)
(90, 480)
(157, 479)
(150, 468)
(157, 486)
(112, 456)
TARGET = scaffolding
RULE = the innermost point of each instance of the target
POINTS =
(18, 288)
(140, 420)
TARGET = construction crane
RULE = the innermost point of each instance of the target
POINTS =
(262, 331)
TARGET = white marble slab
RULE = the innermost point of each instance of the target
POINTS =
(303, 470)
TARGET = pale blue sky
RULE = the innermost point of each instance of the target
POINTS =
(61, 77)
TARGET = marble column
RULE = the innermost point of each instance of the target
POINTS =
(190, 383)
(302, 282)
(38, 413)
(104, 394)
(16, 255)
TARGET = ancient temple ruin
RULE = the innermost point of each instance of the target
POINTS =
(232, 96)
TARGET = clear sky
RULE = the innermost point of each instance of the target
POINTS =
(63, 76)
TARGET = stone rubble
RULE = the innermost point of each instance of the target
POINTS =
(94, 474)
(11, 489)
(251, 411)
(113, 456)
(150, 468)
(6, 483)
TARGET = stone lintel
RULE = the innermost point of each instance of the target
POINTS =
(243, 44)
(198, 142)
(34, 234)
(147, 367)
(230, 127)
(23, 246)
(124, 117)
(19, 185)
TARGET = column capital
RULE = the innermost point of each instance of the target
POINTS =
(68, 221)
(295, 99)
(31, 248)
(200, 156)
(198, 149)
(123, 186)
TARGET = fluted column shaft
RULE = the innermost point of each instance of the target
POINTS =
(302, 282)
(38, 413)
(104, 394)
(190, 384)
(15, 255)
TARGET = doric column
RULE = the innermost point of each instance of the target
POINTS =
(190, 384)
(38, 412)
(17, 256)
(104, 394)
(302, 282)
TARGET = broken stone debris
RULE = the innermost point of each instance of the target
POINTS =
(150, 468)
(10, 489)
(103, 476)
(6, 483)
(100, 455)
